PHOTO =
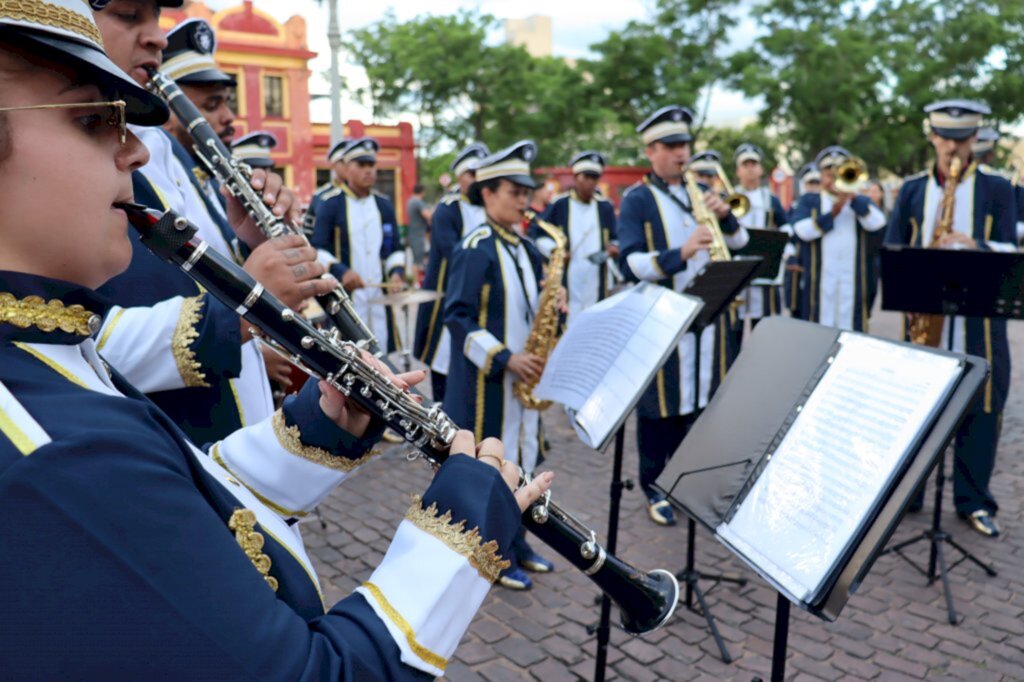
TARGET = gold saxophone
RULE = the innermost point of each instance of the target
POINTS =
(719, 250)
(926, 328)
(544, 332)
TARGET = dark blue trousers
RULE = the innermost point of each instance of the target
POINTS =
(974, 458)
(657, 440)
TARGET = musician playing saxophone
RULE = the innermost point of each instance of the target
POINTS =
(494, 288)
(983, 216)
(662, 242)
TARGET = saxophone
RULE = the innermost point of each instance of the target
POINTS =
(926, 329)
(544, 332)
(719, 250)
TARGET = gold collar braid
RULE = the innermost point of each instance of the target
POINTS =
(47, 316)
(46, 14)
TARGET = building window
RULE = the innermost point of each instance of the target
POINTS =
(386, 183)
(273, 96)
(232, 96)
(323, 176)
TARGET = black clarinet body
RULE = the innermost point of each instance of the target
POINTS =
(234, 175)
(646, 600)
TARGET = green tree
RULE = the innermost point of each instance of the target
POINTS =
(669, 58)
(726, 140)
(440, 69)
(834, 72)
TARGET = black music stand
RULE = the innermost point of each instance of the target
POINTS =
(952, 282)
(720, 453)
(769, 245)
(949, 282)
(717, 284)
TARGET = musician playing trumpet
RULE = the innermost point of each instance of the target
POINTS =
(982, 216)
(662, 242)
(831, 227)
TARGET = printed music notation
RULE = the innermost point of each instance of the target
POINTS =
(843, 452)
(610, 353)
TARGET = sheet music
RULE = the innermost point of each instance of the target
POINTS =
(609, 354)
(838, 460)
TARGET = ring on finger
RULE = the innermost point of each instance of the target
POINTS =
(499, 460)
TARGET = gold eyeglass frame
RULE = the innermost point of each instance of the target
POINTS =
(119, 119)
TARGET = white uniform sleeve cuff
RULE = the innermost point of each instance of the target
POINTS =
(481, 347)
(140, 343)
(326, 258)
(287, 475)
(645, 266)
(428, 616)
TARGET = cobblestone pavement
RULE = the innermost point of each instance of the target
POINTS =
(894, 628)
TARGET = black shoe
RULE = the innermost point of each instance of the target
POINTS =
(983, 522)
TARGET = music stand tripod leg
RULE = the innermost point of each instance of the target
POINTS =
(690, 575)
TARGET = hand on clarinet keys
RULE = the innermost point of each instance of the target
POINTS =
(347, 414)
(491, 452)
(288, 268)
(281, 200)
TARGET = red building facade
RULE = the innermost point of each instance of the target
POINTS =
(270, 61)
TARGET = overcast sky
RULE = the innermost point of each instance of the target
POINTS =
(576, 25)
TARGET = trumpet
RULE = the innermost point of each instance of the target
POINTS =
(851, 175)
(738, 203)
(646, 600)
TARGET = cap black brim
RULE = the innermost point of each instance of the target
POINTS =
(141, 106)
(677, 138)
(955, 133)
(365, 158)
(207, 77)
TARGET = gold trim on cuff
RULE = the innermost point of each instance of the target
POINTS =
(436, 660)
(181, 344)
(483, 556)
(291, 440)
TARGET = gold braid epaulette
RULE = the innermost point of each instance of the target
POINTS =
(47, 316)
(185, 333)
(483, 556)
(243, 522)
(45, 14)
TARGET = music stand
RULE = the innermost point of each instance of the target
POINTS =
(769, 245)
(598, 405)
(720, 453)
(949, 282)
(717, 284)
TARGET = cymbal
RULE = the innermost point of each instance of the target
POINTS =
(404, 298)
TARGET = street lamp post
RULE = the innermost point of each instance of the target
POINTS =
(334, 40)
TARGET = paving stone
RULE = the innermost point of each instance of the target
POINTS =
(522, 652)
(894, 627)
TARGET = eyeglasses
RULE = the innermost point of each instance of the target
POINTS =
(117, 118)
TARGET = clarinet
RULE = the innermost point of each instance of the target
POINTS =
(235, 175)
(646, 600)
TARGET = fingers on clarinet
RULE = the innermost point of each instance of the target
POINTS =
(529, 494)
(464, 443)
(289, 241)
(491, 446)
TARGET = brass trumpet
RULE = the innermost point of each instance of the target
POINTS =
(851, 175)
(738, 203)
